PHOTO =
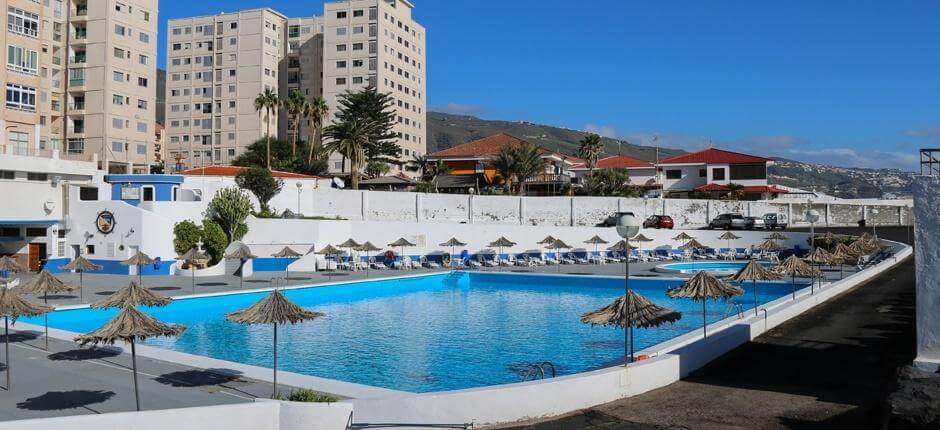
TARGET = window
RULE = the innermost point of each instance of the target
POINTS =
(9, 232)
(141, 149)
(340, 48)
(702, 173)
(90, 249)
(7, 174)
(117, 99)
(117, 147)
(358, 29)
(341, 15)
(143, 59)
(117, 123)
(22, 60)
(341, 31)
(718, 174)
(142, 82)
(748, 171)
(22, 22)
(144, 37)
(340, 64)
(673, 174)
(21, 97)
(340, 81)
(118, 77)
(142, 104)
(358, 13)
(119, 30)
(358, 63)
(35, 232)
(357, 46)
(33, 176)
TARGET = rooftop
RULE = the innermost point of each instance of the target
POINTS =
(714, 156)
(618, 162)
(485, 147)
(232, 171)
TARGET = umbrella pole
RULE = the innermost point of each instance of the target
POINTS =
(81, 286)
(193, 270)
(754, 287)
(140, 276)
(793, 285)
(626, 303)
(704, 321)
(45, 316)
(134, 368)
(275, 361)
(6, 339)
(241, 276)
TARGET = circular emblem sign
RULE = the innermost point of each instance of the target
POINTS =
(105, 222)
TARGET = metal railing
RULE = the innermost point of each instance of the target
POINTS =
(929, 162)
(549, 178)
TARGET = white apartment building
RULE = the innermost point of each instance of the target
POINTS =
(216, 67)
(354, 44)
(80, 81)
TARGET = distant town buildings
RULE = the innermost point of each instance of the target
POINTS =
(80, 81)
(217, 65)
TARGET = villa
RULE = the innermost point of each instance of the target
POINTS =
(710, 172)
(642, 172)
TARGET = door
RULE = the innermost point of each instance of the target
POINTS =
(131, 251)
(37, 256)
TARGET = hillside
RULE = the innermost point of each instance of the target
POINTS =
(447, 130)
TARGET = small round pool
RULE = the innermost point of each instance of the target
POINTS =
(713, 267)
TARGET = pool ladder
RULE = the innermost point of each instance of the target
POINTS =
(736, 308)
(537, 369)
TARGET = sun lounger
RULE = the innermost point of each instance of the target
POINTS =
(429, 263)
(376, 265)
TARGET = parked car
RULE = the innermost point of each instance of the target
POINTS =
(755, 223)
(776, 220)
(659, 221)
(728, 222)
(611, 221)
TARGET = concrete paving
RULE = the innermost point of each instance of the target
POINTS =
(832, 367)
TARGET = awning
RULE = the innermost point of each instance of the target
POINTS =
(28, 222)
(459, 181)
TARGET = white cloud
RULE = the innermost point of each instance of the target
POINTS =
(603, 130)
(932, 133)
(460, 109)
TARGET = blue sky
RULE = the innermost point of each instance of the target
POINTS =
(851, 83)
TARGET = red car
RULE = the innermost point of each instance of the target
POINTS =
(658, 221)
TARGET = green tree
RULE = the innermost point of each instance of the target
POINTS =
(296, 105)
(418, 164)
(316, 110)
(375, 169)
(368, 106)
(267, 102)
(229, 209)
(186, 234)
(609, 182)
(262, 184)
(214, 240)
(735, 191)
(350, 138)
(529, 163)
(504, 162)
(256, 155)
(590, 150)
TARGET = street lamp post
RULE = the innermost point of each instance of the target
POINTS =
(627, 227)
(812, 215)
(874, 222)
(300, 187)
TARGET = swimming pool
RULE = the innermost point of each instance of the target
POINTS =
(714, 267)
(430, 333)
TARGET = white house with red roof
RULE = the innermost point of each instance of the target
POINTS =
(710, 171)
(642, 173)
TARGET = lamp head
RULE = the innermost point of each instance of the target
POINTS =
(812, 215)
(628, 226)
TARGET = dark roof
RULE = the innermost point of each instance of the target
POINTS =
(387, 180)
(459, 181)
(747, 189)
(480, 148)
(714, 156)
(233, 171)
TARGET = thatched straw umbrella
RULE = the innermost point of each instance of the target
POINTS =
(11, 265)
(776, 236)
(139, 259)
(501, 243)
(556, 245)
(130, 296)
(622, 246)
(328, 251)
(401, 243)
(640, 238)
(453, 243)
(192, 258)
(794, 266)
(683, 236)
(13, 306)
(629, 311)
(351, 245)
(839, 257)
(242, 254)
(130, 325)
(704, 286)
(287, 252)
(368, 248)
(81, 265)
(545, 242)
(274, 309)
(691, 246)
(754, 272)
(819, 257)
(596, 240)
(45, 283)
(770, 245)
(729, 236)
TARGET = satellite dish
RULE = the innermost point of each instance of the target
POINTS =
(338, 183)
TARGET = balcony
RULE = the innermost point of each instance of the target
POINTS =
(76, 107)
(77, 82)
(549, 178)
(78, 59)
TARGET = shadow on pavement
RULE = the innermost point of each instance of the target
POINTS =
(164, 288)
(82, 354)
(59, 400)
(198, 378)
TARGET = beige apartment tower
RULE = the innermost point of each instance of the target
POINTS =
(211, 117)
(80, 81)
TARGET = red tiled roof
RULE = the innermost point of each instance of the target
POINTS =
(485, 147)
(232, 171)
(747, 189)
(618, 162)
(714, 156)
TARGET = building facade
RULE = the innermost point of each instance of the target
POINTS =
(80, 81)
(354, 44)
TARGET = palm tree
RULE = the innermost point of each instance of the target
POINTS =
(267, 101)
(296, 106)
(735, 191)
(350, 139)
(317, 109)
(505, 164)
(529, 163)
(590, 149)
(418, 163)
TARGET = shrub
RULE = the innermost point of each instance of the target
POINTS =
(258, 181)
(214, 240)
(310, 396)
(229, 209)
(186, 234)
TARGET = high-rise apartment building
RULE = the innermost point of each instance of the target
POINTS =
(355, 44)
(216, 67)
(80, 80)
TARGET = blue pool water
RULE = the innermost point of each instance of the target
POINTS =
(709, 266)
(432, 333)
